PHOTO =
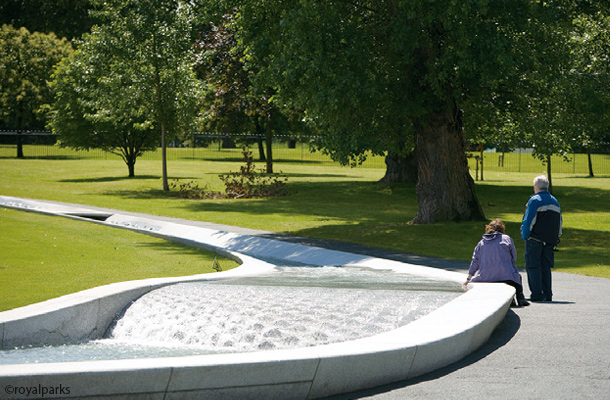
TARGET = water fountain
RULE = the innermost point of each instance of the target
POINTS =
(280, 366)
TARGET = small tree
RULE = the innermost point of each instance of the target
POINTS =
(588, 90)
(138, 73)
(26, 65)
(91, 112)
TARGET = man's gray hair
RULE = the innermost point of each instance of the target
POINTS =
(542, 182)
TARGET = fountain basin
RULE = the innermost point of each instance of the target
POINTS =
(428, 343)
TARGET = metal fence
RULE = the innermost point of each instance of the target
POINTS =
(200, 146)
(213, 146)
(522, 160)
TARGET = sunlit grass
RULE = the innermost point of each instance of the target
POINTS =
(325, 201)
(45, 257)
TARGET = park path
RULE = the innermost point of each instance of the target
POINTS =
(556, 350)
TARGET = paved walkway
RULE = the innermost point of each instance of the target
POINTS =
(556, 350)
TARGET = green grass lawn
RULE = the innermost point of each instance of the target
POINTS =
(45, 257)
(325, 201)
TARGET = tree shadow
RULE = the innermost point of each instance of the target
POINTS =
(339, 200)
(512, 199)
(53, 157)
(110, 179)
(257, 161)
(365, 211)
(304, 175)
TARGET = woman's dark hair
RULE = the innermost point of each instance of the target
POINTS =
(495, 226)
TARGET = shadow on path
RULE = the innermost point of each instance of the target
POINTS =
(503, 333)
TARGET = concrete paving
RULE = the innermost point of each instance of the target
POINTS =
(555, 350)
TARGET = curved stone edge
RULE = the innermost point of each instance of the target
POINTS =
(86, 315)
(431, 342)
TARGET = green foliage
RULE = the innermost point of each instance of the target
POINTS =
(191, 190)
(229, 98)
(26, 64)
(368, 73)
(234, 103)
(249, 183)
(588, 88)
(64, 18)
(391, 75)
(565, 106)
(131, 83)
(91, 111)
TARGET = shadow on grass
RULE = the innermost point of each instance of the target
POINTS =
(172, 248)
(346, 201)
(258, 163)
(110, 179)
(124, 178)
(206, 258)
(301, 175)
(54, 157)
(370, 214)
(513, 199)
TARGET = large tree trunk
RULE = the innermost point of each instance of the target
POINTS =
(400, 169)
(445, 189)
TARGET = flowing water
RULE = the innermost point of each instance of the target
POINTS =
(291, 307)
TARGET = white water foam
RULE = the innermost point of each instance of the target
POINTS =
(237, 318)
(292, 307)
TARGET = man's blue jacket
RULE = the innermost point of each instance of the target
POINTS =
(542, 220)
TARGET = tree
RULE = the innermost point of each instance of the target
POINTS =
(573, 112)
(91, 111)
(140, 65)
(64, 18)
(375, 75)
(26, 65)
(588, 90)
(233, 103)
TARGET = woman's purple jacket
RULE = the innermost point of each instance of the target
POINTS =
(494, 259)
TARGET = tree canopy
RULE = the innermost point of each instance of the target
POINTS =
(397, 75)
(133, 75)
(64, 18)
(26, 64)
(234, 103)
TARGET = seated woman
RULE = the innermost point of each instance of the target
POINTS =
(493, 260)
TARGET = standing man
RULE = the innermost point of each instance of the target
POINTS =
(541, 229)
